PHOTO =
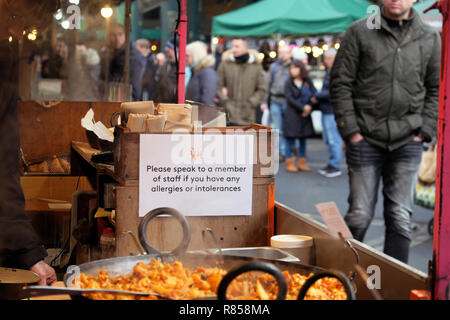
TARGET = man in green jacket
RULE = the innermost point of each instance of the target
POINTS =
(385, 93)
(241, 83)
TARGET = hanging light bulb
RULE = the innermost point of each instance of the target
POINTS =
(32, 37)
(107, 12)
(65, 24)
(59, 15)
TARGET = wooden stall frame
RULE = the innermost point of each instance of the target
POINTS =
(232, 231)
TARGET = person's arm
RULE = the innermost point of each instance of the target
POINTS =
(137, 69)
(431, 107)
(221, 83)
(290, 98)
(324, 94)
(19, 243)
(314, 92)
(208, 87)
(343, 76)
(257, 97)
(269, 80)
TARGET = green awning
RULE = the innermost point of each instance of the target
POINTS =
(425, 4)
(287, 17)
(296, 17)
(151, 34)
(355, 8)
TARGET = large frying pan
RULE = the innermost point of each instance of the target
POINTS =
(235, 265)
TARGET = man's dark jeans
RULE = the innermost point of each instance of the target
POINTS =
(397, 169)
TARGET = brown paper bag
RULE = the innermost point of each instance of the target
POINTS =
(156, 123)
(179, 116)
(143, 107)
(427, 168)
(55, 166)
(172, 126)
(137, 122)
(65, 165)
(40, 167)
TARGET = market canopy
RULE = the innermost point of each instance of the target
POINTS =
(287, 17)
(294, 17)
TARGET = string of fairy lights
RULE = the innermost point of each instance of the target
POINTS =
(316, 51)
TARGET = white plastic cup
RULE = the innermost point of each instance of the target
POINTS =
(297, 245)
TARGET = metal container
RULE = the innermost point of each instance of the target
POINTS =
(268, 253)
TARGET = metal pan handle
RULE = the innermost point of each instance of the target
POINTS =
(113, 117)
(165, 211)
(253, 266)
(328, 274)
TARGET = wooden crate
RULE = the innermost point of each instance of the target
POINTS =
(48, 205)
(164, 232)
(49, 131)
(126, 150)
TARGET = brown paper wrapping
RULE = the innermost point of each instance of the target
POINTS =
(156, 123)
(179, 116)
(137, 122)
(65, 165)
(143, 107)
(40, 167)
(55, 166)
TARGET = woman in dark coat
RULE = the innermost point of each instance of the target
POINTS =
(203, 83)
(298, 125)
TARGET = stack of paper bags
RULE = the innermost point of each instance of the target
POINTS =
(146, 123)
(179, 116)
(141, 117)
(127, 108)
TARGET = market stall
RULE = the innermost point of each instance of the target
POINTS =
(128, 181)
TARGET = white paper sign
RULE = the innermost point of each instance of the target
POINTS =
(198, 175)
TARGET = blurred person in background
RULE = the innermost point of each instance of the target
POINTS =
(56, 67)
(143, 45)
(300, 55)
(90, 73)
(218, 55)
(330, 133)
(116, 63)
(275, 97)
(160, 59)
(148, 87)
(299, 90)
(241, 83)
(90, 62)
(19, 244)
(167, 82)
(203, 83)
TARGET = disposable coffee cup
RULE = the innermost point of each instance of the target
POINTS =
(296, 245)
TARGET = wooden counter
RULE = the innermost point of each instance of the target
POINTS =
(55, 297)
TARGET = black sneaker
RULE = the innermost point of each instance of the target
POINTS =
(323, 171)
(332, 172)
